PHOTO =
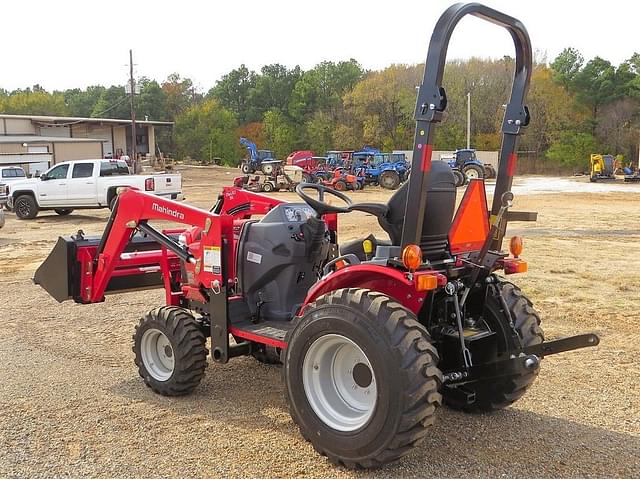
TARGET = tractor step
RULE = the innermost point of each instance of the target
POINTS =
(271, 333)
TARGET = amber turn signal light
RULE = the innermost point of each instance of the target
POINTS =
(515, 246)
(426, 282)
(412, 256)
(515, 265)
(340, 264)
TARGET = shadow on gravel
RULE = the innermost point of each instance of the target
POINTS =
(513, 442)
(519, 443)
(71, 219)
(240, 391)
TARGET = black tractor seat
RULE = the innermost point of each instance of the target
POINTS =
(438, 214)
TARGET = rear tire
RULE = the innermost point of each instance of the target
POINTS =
(494, 394)
(459, 178)
(25, 207)
(489, 172)
(266, 354)
(170, 351)
(389, 179)
(63, 212)
(347, 343)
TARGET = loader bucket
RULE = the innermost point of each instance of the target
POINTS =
(60, 273)
(55, 273)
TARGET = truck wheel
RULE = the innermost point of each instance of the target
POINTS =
(112, 202)
(25, 207)
(63, 212)
(170, 351)
(459, 178)
(494, 394)
(267, 187)
(361, 378)
(473, 172)
(389, 179)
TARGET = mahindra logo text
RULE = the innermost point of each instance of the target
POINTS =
(167, 211)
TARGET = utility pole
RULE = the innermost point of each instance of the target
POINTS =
(134, 152)
(468, 120)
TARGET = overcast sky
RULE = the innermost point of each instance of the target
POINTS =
(64, 44)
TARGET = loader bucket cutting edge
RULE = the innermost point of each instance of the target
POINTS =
(54, 274)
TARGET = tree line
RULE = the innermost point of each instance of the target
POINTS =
(578, 107)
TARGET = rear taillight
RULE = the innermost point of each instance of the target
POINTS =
(149, 184)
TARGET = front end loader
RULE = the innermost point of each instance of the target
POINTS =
(373, 334)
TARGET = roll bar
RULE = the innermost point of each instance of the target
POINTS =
(432, 101)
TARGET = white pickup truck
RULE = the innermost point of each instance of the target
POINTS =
(84, 184)
(9, 174)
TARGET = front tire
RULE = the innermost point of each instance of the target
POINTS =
(267, 187)
(246, 168)
(361, 378)
(170, 351)
(25, 207)
(473, 172)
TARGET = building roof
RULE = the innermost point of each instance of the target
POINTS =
(62, 120)
(30, 139)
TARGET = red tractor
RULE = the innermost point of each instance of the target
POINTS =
(341, 180)
(373, 334)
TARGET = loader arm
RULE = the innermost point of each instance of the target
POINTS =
(133, 211)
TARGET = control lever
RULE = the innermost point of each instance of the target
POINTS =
(506, 202)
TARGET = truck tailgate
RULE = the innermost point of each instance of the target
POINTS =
(165, 184)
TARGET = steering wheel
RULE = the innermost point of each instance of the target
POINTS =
(319, 205)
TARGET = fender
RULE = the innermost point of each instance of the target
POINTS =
(386, 280)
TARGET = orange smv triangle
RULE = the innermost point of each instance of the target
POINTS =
(471, 224)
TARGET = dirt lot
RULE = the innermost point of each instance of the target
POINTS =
(72, 404)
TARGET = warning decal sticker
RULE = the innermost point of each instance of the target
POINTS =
(212, 259)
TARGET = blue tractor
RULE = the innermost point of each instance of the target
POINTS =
(388, 170)
(466, 166)
(256, 157)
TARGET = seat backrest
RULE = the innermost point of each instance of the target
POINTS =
(441, 202)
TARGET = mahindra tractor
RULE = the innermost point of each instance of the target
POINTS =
(373, 334)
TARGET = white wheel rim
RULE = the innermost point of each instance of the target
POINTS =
(339, 383)
(471, 174)
(157, 354)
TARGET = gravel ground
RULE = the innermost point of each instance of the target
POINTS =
(72, 404)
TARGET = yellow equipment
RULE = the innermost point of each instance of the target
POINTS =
(602, 167)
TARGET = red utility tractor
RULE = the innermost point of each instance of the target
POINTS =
(342, 180)
(373, 334)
